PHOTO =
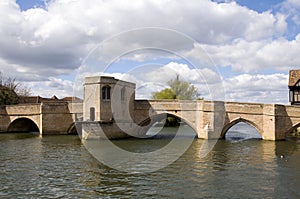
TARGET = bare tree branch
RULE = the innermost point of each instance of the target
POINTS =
(11, 90)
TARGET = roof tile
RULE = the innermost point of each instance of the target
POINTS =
(294, 77)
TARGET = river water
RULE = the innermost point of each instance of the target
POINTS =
(61, 167)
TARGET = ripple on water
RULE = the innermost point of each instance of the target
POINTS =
(60, 167)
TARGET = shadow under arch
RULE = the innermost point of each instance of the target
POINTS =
(236, 121)
(23, 125)
(150, 122)
(73, 129)
(292, 129)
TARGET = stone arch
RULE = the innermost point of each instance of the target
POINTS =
(23, 124)
(157, 117)
(294, 127)
(238, 120)
(72, 130)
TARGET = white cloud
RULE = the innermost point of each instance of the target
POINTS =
(243, 56)
(257, 88)
(292, 9)
(153, 79)
(42, 44)
(59, 36)
(53, 86)
(260, 88)
(294, 3)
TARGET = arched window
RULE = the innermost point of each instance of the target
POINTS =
(106, 92)
(123, 94)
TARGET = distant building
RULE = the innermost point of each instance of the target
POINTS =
(294, 87)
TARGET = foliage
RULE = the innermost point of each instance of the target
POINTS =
(181, 90)
(172, 121)
(10, 90)
(178, 89)
(167, 93)
(8, 96)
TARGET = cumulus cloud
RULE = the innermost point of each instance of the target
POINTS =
(40, 44)
(257, 88)
(61, 35)
(150, 78)
(295, 3)
(52, 86)
(243, 56)
(271, 88)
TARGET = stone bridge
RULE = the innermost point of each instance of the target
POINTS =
(43, 118)
(110, 110)
(212, 119)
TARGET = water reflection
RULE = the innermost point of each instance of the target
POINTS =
(14, 136)
(150, 144)
(288, 161)
(60, 167)
(242, 131)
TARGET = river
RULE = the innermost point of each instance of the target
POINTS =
(61, 167)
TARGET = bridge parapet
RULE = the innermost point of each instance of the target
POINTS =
(249, 108)
(23, 109)
(181, 108)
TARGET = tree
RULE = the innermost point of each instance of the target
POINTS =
(11, 91)
(181, 90)
(167, 93)
(8, 96)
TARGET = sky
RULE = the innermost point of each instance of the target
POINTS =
(230, 50)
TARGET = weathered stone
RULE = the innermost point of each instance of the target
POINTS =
(121, 115)
(49, 117)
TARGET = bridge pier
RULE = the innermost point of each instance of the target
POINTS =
(207, 134)
(212, 116)
(270, 125)
(108, 98)
(109, 104)
(278, 121)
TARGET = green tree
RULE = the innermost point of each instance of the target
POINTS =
(167, 93)
(10, 91)
(181, 90)
(178, 89)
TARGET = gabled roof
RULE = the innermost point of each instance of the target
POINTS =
(54, 97)
(294, 77)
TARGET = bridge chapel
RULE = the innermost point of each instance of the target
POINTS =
(294, 87)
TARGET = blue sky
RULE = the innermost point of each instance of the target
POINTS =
(27, 4)
(251, 45)
(260, 6)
